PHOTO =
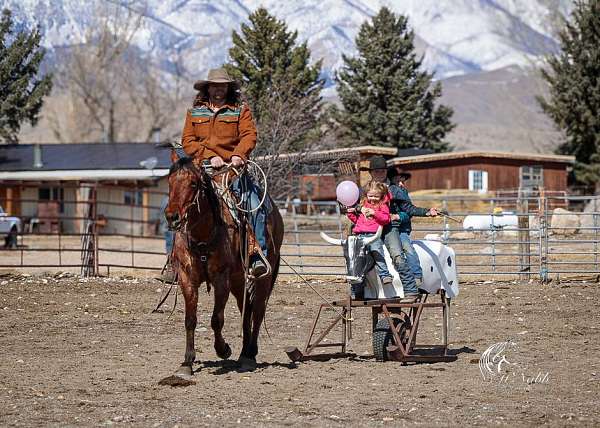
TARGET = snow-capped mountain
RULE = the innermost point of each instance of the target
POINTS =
(457, 37)
(480, 49)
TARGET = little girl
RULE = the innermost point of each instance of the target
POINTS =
(374, 212)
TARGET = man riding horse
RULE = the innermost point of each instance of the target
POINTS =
(219, 128)
(210, 241)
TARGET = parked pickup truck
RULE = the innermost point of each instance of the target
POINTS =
(10, 227)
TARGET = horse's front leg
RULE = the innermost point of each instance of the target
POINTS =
(190, 295)
(222, 286)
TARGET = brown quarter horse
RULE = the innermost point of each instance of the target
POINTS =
(207, 249)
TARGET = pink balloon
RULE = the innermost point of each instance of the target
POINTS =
(347, 193)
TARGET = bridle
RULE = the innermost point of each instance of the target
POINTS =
(201, 190)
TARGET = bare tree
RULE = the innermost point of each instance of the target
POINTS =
(112, 91)
(288, 137)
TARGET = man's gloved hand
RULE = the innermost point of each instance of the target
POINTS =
(237, 161)
(433, 212)
(217, 162)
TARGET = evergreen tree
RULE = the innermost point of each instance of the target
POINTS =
(387, 99)
(282, 88)
(573, 77)
(21, 92)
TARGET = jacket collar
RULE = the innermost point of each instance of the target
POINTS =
(229, 106)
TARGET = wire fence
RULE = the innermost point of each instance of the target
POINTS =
(103, 229)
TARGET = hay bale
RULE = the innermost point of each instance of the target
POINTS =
(564, 222)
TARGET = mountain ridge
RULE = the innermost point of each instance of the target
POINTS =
(458, 38)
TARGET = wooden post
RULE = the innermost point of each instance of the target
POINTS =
(145, 213)
(9, 201)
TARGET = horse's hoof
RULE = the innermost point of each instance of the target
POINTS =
(247, 364)
(184, 371)
(225, 353)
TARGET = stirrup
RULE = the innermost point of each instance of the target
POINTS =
(262, 257)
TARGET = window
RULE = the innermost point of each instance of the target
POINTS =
(53, 194)
(532, 177)
(478, 181)
(133, 197)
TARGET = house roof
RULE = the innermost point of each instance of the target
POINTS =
(80, 156)
(535, 157)
(331, 154)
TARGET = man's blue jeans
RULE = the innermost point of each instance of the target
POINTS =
(169, 238)
(393, 243)
(250, 195)
(411, 255)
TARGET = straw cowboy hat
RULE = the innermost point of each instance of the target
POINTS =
(215, 75)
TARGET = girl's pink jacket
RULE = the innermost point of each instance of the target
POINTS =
(370, 225)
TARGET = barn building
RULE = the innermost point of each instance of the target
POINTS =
(486, 171)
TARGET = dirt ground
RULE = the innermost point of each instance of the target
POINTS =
(79, 352)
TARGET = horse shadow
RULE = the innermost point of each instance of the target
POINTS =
(231, 366)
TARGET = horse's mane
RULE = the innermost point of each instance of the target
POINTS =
(186, 162)
(183, 162)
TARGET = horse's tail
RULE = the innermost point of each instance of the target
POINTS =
(274, 273)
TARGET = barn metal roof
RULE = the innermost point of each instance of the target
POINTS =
(531, 157)
(80, 156)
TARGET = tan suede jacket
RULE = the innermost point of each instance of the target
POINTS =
(228, 132)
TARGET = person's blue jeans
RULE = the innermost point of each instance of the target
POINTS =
(250, 195)
(412, 258)
(376, 249)
(393, 243)
(169, 238)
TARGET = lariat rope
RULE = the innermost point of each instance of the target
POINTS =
(315, 290)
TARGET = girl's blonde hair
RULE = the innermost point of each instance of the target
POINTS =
(376, 186)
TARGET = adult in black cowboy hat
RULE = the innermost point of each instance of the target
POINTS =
(401, 210)
(377, 168)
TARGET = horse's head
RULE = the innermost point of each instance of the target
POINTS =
(358, 259)
(186, 188)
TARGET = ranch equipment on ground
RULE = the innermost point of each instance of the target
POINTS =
(398, 343)
(395, 320)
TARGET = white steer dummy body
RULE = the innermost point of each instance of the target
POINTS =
(438, 263)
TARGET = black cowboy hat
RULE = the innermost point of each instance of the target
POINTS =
(393, 172)
(215, 75)
(375, 162)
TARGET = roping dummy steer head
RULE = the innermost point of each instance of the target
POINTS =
(356, 252)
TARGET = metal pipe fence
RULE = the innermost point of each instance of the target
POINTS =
(525, 238)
